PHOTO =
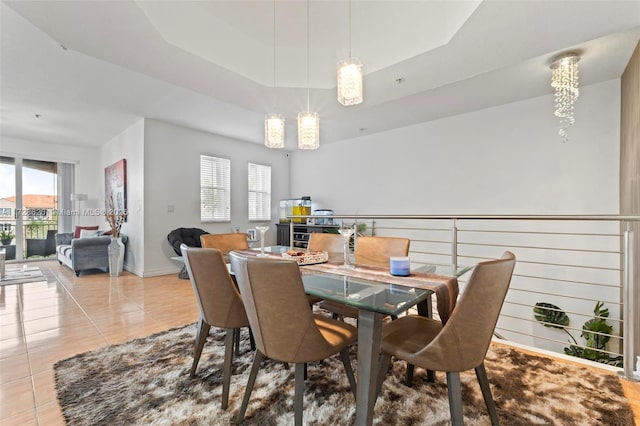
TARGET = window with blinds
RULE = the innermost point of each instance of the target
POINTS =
(215, 189)
(259, 192)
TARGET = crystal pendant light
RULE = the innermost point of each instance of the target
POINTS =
(308, 130)
(308, 122)
(564, 80)
(349, 76)
(274, 123)
(274, 131)
(350, 82)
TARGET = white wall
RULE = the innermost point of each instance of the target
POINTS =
(130, 146)
(172, 178)
(502, 160)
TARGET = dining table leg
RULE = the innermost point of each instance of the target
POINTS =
(369, 337)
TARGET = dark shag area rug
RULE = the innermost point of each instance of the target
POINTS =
(146, 381)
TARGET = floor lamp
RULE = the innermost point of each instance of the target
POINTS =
(79, 198)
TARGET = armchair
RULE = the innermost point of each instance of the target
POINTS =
(42, 246)
(188, 236)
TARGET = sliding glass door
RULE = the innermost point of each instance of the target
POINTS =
(28, 206)
(7, 206)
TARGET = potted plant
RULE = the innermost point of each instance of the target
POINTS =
(6, 236)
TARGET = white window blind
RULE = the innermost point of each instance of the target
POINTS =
(215, 189)
(259, 192)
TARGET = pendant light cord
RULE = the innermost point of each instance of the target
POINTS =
(274, 52)
(349, 28)
(308, 56)
(274, 43)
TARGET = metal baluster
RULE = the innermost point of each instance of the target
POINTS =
(629, 303)
(291, 234)
(454, 247)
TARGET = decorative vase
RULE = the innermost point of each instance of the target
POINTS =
(6, 242)
(116, 256)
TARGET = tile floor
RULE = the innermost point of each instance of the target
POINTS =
(41, 323)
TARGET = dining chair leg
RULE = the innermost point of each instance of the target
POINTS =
(202, 331)
(257, 359)
(424, 310)
(252, 341)
(483, 380)
(236, 334)
(408, 381)
(344, 356)
(385, 361)
(298, 396)
(455, 398)
(228, 359)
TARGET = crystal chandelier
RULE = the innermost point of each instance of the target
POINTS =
(564, 79)
(274, 123)
(308, 122)
(349, 77)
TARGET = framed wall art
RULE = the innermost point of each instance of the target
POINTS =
(115, 183)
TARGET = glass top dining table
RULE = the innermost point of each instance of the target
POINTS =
(375, 297)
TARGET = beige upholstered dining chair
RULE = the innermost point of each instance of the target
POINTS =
(369, 251)
(462, 343)
(225, 242)
(273, 295)
(331, 243)
(376, 251)
(219, 302)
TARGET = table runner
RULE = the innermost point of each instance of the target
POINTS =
(445, 288)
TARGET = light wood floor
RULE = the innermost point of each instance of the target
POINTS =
(41, 323)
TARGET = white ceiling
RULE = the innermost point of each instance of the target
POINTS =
(209, 65)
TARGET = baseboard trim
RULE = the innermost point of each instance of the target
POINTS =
(157, 272)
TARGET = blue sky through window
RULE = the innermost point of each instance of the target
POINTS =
(33, 181)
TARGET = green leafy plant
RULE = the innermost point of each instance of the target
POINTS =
(595, 331)
(552, 316)
(6, 234)
(33, 228)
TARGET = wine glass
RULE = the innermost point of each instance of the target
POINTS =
(263, 230)
(346, 230)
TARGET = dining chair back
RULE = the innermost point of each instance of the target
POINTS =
(331, 243)
(219, 303)
(225, 242)
(218, 299)
(283, 324)
(370, 251)
(462, 343)
(376, 251)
